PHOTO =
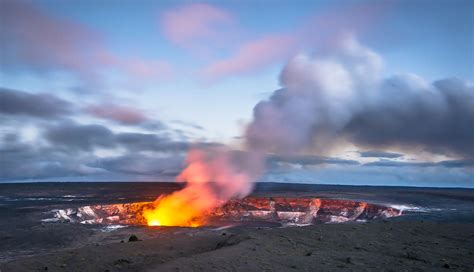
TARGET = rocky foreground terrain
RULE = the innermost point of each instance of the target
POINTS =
(379, 245)
(435, 231)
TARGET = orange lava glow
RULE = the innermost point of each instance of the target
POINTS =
(184, 208)
(211, 180)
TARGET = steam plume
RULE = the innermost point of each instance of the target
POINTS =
(213, 175)
(343, 97)
(338, 97)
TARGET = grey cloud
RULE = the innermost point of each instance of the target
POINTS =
(150, 142)
(458, 163)
(142, 165)
(48, 106)
(73, 136)
(449, 163)
(388, 163)
(82, 137)
(379, 154)
(66, 159)
(381, 176)
(439, 117)
(14, 102)
(309, 160)
(153, 125)
(66, 150)
(44, 43)
(26, 161)
(188, 124)
(124, 115)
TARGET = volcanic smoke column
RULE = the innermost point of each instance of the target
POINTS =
(338, 98)
(315, 101)
(318, 98)
(213, 175)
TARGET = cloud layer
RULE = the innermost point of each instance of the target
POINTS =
(379, 154)
(68, 149)
(40, 140)
(36, 41)
(192, 23)
(122, 114)
(14, 102)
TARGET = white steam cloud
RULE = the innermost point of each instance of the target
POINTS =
(343, 96)
(338, 97)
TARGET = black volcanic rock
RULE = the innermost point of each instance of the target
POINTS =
(133, 238)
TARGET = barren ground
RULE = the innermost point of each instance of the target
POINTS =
(373, 246)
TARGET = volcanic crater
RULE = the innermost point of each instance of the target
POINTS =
(272, 211)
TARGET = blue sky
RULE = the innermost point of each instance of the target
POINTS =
(192, 72)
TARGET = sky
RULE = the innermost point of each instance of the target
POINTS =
(334, 92)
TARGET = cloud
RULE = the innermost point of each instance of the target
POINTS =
(142, 165)
(147, 69)
(342, 97)
(118, 113)
(315, 101)
(188, 124)
(320, 33)
(35, 40)
(149, 142)
(449, 163)
(58, 146)
(457, 163)
(376, 175)
(30, 161)
(308, 160)
(27, 161)
(252, 56)
(192, 23)
(68, 150)
(50, 107)
(388, 163)
(72, 136)
(15, 102)
(124, 115)
(78, 137)
(410, 113)
(379, 154)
